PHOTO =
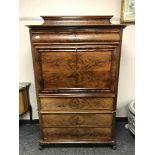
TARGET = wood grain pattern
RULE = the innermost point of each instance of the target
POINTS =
(94, 69)
(71, 104)
(76, 69)
(58, 67)
(74, 37)
(77, 134)
(50, 120)
(59, 20)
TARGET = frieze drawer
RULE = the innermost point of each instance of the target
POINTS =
(69, 119)
(73, 37)
(76, 103)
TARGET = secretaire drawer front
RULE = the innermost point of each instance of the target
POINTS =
(76, 70)
(77, 133)
(76, 103)
(68, 119)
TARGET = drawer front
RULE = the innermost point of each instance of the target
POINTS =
(77, 133)
(73, 37)
(51, 120)
(76, 103)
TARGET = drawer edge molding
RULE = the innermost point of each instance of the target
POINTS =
(77, 95)
(78, 112)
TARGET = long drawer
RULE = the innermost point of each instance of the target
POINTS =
(77, 133)
(73, 37)
(69, 119)
(76, 104)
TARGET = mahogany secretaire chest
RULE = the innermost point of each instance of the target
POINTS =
(76, 66)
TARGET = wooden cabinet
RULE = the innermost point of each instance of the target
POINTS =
(76, 66)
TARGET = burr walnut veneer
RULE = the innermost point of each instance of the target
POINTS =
(76, 66)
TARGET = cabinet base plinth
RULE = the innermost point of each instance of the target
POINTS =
(44, 143)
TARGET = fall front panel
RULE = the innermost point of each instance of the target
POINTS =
(73, 69)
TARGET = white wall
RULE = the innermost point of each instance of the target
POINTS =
(30, 12)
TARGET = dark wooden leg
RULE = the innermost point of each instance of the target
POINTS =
(114, 147)
(30, 109)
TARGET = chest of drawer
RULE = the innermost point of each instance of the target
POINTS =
(76, 103)
(77, 119)
(60, 134)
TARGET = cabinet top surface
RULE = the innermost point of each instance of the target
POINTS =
(63, 21)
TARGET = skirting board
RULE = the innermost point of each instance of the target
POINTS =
(36, 121)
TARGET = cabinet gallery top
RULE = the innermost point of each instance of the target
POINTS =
(76, 21)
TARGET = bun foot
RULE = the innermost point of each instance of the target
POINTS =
(114, 147)
(40, 147)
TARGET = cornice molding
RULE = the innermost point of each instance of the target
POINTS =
(28, 18)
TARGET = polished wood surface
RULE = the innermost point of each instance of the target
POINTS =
(70, 104)
(77, 134)
(74, 36)
(76, 65)
(51, 120)
(77, 69)
(82, 20)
